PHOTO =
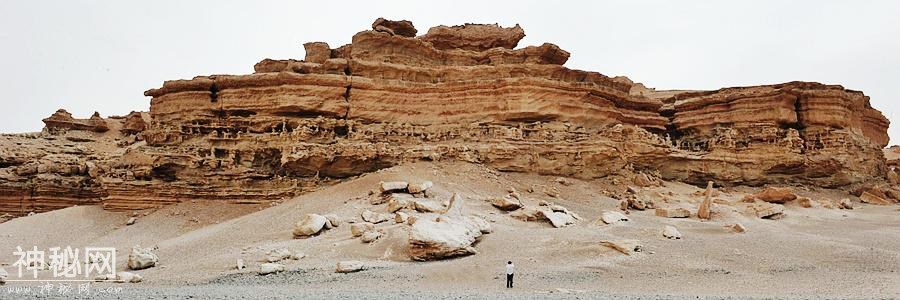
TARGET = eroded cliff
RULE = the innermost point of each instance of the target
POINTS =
(455, 93)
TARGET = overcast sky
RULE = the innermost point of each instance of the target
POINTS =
(102, 55)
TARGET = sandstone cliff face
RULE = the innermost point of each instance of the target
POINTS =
(456, 93)
(797, 131)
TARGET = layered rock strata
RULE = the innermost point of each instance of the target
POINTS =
(456, 93)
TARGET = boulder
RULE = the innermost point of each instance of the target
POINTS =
(240, 264)
(401, 217)
(673, 212)
(627, 247)
(3, 276)
(474, 37)
(419, 187)
(127, 277)
(559, 219)
(374, 217)
(131, 221)
(612, 217)
(357, 229)
(705, 210)
(447, 237)
(528, 214)
(334, 220)
(394, 186)
(671, 233)
(776, 195)
(845, 204)
(736, 227)
(370, 236)
(401, 28)
(399, 201)
(141, 258)
(506, 203)
(639, 204)
(317, 52)
(768, 210)
(270, 268)
(412, 220)
(428, 206)
(276, 255)
(349, 266)
(872, 198)
(310, 225)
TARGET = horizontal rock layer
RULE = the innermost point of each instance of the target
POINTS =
(456, 93)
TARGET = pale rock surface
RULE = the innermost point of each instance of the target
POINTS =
(141, 258)
(613, 217)
(270, 268)
(310, 225)
(401, 217)
(349, 266)
(374, 217)
(419, 187)
(357, 229)
(394, 186)
(671, 232)
(428, 206)
(371, 236)
(627, 247)
(445, 238)
(334, 220)
(506, 203)
(397, 202)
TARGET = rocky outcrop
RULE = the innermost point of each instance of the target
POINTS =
(445, 237)
(62, 120)
(793, 132)
(141, 258)
(474, 37)
(463, 93)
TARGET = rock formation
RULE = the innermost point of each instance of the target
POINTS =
(455, 93)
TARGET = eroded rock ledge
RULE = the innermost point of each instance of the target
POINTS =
(455, 93)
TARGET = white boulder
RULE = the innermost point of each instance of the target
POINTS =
(446, 237)
(392, 186)
(349, 266)
(374, 217)
(270, 268)
(612, 217)
(671, 233)
(141, 258)
(310, 225)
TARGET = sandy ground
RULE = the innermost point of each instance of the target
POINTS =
(811, 253)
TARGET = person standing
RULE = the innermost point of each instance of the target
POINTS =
(510, 269)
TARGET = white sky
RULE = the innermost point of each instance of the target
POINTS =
(101, 55)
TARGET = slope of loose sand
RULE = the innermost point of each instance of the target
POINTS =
(813, 252)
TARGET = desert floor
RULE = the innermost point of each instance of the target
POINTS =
(811, 253)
